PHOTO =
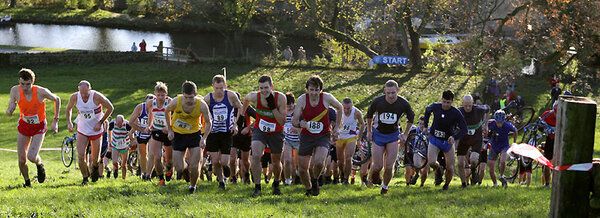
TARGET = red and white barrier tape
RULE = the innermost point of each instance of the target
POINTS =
(533, 153)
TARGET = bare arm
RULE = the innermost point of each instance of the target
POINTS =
(12, 103)
(339, 110)
(68, 110)
(150, 114)
(251, 97)
(168, 110)
(207, 123)
(361, 123)
(280, 111)
(133, 121)
(45, 93)
(300, 104)
(106, 104)
(236, 104)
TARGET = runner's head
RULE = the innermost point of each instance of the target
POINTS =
(189, 91)
(26, 79)
(291, 101)
(84, 88)
(447, 99)
(467, 103)
(347, 104)
(150, 96)
(219, 85)
(391, 90)
(119, 120)
(422, 122)
(265, 85)
(314, 86)
(161, 91)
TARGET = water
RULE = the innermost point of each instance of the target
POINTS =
(113, 39)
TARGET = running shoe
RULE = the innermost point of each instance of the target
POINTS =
(168, 174)
(191, 190)
(41, 173)
(85, 181)
(161, 182)
(315, 187)
(222, 186)
(438, 176)
(383, 191)
(414, 179)
(95, 174)
(27, 183)
(276, 190)
(503, 181)
(226, 171)
(116, 173)
(257, 190)
(445, 187)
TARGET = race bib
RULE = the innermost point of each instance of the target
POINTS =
(32, 119)
(471, 131)
(314, 127)
(121, 142)
(266, 126)
(144, 122)
(388, 118)
(183, 124)
(89, 114)
(439, 134)
(345, 129)
(220, 114)
(160, 121)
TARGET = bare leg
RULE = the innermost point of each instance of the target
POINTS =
(195, 157)
(142, 156)
(22, 148)
(258, 149)
(303, 165)
(391, 153)
(82, 142)
(449, 156)
(124, 165)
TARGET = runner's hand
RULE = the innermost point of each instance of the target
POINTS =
(234, 130)
(402, 139)
(170, 135)
(302, 124)
(70, 126)
(271, 102)
(245, 130)
(369, 136)
(451, 140)
(98, 126)
(54, 127)
(202, 143)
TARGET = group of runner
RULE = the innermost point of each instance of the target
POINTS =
(316, 133)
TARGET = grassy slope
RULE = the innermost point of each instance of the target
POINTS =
(126, 85)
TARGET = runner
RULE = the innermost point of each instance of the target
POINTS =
(476, 117)
(315, 134)
(292, 142)
(32, 125)
(499, 141)
(267, 130)
(384, 133)
(159, 130)
(221, 103)
(442, 135)
(351, 127)
(186, 129)
(549, 117)
(89, 104)
(242, 142)
(139, 122)
(119, 135)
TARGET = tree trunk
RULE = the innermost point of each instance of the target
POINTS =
(415, 50)
(12, 4)
(574, 144)
(342, 37)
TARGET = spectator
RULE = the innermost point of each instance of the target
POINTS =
(554, 81)
(143, 46)
(287, 54)
(301, 54)
(133, 47)
(159, 48)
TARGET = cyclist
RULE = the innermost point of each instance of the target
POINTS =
(443, 136)
(501, 129)
(385, 133)
(549, 118)
(32, 126)
(476, 117)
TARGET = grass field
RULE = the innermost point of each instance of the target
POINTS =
(126, 85)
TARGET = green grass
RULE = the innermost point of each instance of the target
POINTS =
(25, 48)
(126, 85)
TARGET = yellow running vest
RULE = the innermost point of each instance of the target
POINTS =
(184, 123)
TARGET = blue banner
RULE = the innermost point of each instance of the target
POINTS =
(396, 60)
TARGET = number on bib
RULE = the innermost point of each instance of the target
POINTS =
(183, 124)
(160, 121)
(89, 114)
(220, 114)
(144, 122)
(471, 131)
(314, 127)
(266, 126)
(388, 118)
(32, 119)
(439, 134)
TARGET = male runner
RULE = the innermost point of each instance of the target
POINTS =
(242, 142)
(267, 130)
(90, 118)
(476, 117)
(119, 137)
(351, 127)
(292, 142)
(385, 133)
(185, 132)
(158, 128)
(315, 134)
(221, 103)
(32, 126)
(139, 122)
(442, 136)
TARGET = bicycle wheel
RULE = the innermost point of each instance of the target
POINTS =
(362, 154)
(400, 159)
(526, 115)
(66, 152)
(418, 144)
(512, 167)
(132, 160)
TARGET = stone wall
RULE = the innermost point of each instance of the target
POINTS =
(75, 57)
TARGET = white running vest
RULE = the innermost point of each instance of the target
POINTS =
(349, 126)
(88, 115)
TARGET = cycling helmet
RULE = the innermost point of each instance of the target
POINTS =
(567, 93)
(499, 116)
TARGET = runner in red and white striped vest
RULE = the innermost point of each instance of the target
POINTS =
(119, 135)
(159, 130)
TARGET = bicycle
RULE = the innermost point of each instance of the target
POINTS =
(132, 159)
(67, 150)
(362, 154)
(519, 116)
(416, 145)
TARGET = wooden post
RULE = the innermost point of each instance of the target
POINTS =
(574, 143)
(595, 200)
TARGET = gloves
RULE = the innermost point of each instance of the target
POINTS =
(271, 102)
